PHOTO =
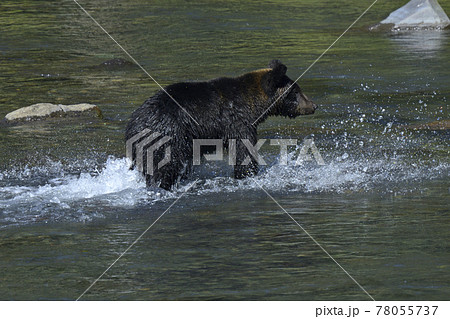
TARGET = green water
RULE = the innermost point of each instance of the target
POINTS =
(69, 207)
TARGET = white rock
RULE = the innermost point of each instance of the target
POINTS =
(35, 110)
(77, 107)
(418, 13)
(47, 109)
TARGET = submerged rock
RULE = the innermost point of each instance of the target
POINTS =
(421, 43)
(116, 64)
(418, 14)
(433, 126)
(44, 110)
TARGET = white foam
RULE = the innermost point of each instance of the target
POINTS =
(115, 177)
(338, 176)
(91, 195)
(116, 185)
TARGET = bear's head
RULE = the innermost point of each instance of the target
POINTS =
(285, 95)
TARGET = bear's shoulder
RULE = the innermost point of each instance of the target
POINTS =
(188, 91)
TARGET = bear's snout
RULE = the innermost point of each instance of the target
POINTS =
(305, 106)
(308, 100)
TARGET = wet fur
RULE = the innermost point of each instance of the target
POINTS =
(225, 108)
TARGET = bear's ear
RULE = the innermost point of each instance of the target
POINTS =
(272, 79)
(278, 69)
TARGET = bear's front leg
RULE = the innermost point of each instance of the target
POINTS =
(246, 165)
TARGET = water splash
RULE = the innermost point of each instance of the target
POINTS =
(338, 176)
(72, 197)
(86, 196)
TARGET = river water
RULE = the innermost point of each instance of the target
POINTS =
(69, 205)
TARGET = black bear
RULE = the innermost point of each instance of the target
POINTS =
(223, 108)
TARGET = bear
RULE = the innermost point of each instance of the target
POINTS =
(223, 108)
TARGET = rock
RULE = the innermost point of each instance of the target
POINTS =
(35, 110)
(44, 110)
(418, 14)
(83, 107)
